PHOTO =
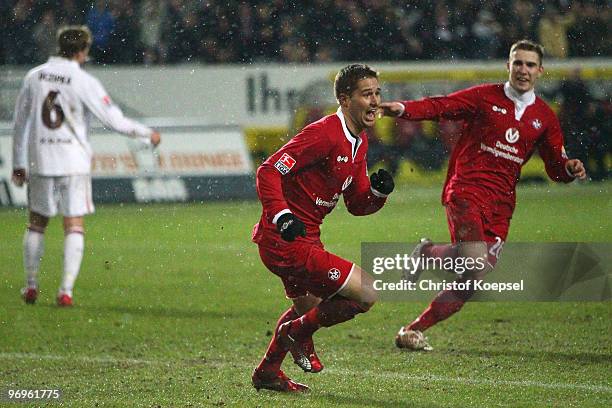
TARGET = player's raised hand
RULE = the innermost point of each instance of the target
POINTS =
(393, 109)
(576, 169)
(290, 227)
(382, 183)
(155, 138)
(19, 177)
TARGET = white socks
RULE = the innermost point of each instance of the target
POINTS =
(73, 255)
(33, 249)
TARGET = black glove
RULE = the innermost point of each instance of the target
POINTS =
(382, 182)
(290, 227)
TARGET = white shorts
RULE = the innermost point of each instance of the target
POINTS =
(68, 195)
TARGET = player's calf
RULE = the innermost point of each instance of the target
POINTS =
(474, 260)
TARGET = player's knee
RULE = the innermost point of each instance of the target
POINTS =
(37, 228)
(74, 229)
(368, 299)
(303, 304)
(37, 222)
(474, 259)
(74, 225)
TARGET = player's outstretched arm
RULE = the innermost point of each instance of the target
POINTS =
(99, 103)
(463, 104)
(393, 109)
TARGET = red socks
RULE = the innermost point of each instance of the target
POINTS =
(275, 354)
(328, 313)
(444, 305)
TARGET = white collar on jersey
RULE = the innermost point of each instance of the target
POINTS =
(355, 140)
(521, 101)
(63, 61)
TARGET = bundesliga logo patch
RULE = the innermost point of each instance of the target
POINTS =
(285, 164)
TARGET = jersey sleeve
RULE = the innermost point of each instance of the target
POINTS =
(359, 197)
(458, 105)
(553, 153)
(20, 128)
(98, 102)
(304, 150)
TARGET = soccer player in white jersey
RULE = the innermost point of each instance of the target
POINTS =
(52, 152)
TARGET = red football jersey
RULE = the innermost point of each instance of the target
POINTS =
(308, 175)
(495, 142)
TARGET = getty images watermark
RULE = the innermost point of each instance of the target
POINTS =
(412, 267)
(524, 272)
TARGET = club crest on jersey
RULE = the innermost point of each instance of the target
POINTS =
(333, 274)
(347, 182)
(512, 135)
(285, 164)
(503, 111)
(536, 124)
(342, 159)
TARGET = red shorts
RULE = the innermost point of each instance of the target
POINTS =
(469, 222)
(306, 267)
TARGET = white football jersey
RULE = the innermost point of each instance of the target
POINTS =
(52, 116)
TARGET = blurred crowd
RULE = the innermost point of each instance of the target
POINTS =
(232, 31)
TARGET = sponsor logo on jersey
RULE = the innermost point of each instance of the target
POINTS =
(329, 204)
(502, 150)
(536, 124)
(503, 111)
(347, 182)
(342, 159)
(512, 135)
(333, 274)
(285, 164)
(107, 100)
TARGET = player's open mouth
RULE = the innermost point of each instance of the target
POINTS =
(371, 114)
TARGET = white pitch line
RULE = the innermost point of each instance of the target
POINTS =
(333, 371)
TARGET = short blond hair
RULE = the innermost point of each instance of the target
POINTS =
(73, 39)
(528, 45)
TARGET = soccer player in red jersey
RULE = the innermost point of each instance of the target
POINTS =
(298, 186)
(503, 124)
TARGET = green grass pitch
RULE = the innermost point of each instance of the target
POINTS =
(174, 308)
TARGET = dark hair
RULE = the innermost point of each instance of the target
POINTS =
(528, 46)
(73, 39)
(347, 78)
